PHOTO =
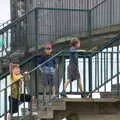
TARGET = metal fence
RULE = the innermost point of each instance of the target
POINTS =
(100, 72)
(5, 24)
(105, 15)
(6, 101)
(48, 24)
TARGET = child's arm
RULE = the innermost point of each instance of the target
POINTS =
(40, 59)
(10, 67)
(80, 50)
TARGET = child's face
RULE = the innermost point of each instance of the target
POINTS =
(16, 70)
(48, 51)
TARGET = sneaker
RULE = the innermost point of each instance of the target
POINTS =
(27, 113)
(53, 98)
(49, 102)
(83, 95)
(9, 116)
(63, 94)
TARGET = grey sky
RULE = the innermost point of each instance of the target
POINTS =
(4, 10)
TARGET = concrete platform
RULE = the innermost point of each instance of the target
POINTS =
(90, 109)
(101, 100)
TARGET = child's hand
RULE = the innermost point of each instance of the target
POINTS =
(26, 73)
(10, 67)
(26, 76)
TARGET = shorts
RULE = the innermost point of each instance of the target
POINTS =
(73, 72)
(48, 79)
(14, 103)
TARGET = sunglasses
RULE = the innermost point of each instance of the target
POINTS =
(49, 48)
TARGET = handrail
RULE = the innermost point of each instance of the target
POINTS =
(6, 22)
(15, 21)
(24, 16)
(45, 62)
(105, 82)
(21, 64)
(107, 44)
(98, 4)
(35, 68)
(29, 59)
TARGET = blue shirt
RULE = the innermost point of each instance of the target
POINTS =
(48, 67)
(73, 56)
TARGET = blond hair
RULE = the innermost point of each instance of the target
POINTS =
(11, 67)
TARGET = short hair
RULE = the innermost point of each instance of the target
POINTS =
(74, 42)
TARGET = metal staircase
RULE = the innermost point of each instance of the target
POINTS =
(24, 37)
(92, 84)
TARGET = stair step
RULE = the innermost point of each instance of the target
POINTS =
(56, 105)
(45, 114)
(34, 107)
(108, 95)
(47, 111)
(24, 118)
(115, 87)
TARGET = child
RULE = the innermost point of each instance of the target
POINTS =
(16, 89)
(73, 71)
(48, 69)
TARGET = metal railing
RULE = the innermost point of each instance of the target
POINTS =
(99, 71)
(41, 25)
(5, 92)
(17, 31)
(5, 24)
(106, 67)
(25, 34)
(105, 18)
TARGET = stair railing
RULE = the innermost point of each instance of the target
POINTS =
(91, 66)
(106, 67)
(5, 90)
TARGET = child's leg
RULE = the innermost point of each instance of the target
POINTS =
(63, 93)
(52, 82)
(53, 91)
(66, 84)
(80, 86)
(81, 89)
(9, 116)
(13, 107)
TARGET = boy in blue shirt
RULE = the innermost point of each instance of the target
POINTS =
(73, 68)
(48, 69)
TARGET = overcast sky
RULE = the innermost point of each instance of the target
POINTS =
(4, 10)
